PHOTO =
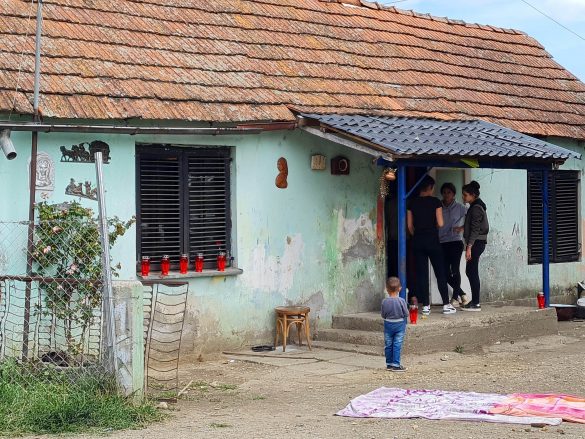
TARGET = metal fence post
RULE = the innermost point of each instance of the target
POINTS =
(108, 300)
(545, 239)
(402, 229)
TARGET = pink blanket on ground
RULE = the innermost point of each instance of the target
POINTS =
(517, 408)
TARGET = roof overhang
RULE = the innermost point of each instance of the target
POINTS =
(473, 143)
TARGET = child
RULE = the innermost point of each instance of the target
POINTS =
(394, 313)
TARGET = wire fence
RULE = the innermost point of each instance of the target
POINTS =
(52, 320)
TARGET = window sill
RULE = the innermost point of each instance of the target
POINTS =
(229, 271)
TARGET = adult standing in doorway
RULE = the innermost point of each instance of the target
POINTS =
(475, 234)
(451, 238)
(424, 217)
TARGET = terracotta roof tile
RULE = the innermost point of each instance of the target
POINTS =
(228, 61)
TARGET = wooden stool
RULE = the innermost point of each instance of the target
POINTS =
(289, 315)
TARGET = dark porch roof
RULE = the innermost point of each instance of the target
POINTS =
(405, 137)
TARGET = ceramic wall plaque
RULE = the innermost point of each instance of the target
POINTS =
(45, 178)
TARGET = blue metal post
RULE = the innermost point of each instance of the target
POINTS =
(402, 228)
(545, 238)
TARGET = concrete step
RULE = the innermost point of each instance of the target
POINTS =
(351, 336)
(347, 347)
(438, 333)
(361, 321)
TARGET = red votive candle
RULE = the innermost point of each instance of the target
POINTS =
(184, 264)
(413, 314)
(221, 261)
(145, 266)
(540, 299)
(199, 262)
(165, 265)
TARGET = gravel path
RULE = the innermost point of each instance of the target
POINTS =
(295, 394)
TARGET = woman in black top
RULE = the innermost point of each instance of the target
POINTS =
(424, 217)
(475, 233)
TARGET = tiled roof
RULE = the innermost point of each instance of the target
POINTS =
(248, 60)
(405, 136)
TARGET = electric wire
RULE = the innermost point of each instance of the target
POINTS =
(552, 19)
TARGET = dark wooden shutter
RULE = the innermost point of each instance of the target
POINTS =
(563, 216)
(159, 210)
(566, 216)
(209, 216)
(535, 217)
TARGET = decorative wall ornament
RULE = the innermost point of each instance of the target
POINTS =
(83, 190)
(85, 152)
(339, 165)
(282, 166)
(318, 162)
(388, 175)
(45, 179)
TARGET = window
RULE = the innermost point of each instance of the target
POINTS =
(183, 203)
(563, 216)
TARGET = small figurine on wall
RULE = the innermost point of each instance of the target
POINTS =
(79, 153)
(282, 166)
(76, 190)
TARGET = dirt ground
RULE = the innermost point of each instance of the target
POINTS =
(296, 394)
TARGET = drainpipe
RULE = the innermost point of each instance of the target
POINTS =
(124, 129)
(32, 181)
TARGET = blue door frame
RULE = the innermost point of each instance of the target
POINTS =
(403, 195)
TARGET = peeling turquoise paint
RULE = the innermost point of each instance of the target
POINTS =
(291, 243)
(313, 243)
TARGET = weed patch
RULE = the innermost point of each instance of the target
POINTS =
(54, 403)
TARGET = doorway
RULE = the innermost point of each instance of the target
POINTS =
(456, 176)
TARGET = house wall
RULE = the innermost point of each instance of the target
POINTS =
(313, 243)
(504, 267)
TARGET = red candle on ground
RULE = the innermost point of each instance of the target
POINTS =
(540, 299)
(413, 314)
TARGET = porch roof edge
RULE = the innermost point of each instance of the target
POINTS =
(416, 139)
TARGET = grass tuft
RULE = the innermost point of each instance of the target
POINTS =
(52, 402)
(219, 425)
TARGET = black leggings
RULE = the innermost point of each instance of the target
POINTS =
(452, 252)
(472, 270)
(428, 248)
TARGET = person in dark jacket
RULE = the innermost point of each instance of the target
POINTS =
(475, 232)
(424, 218)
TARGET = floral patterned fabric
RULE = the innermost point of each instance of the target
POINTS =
(467, 406)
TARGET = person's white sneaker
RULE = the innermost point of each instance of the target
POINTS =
(455, 303)
(449, 309)
(426, 310)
